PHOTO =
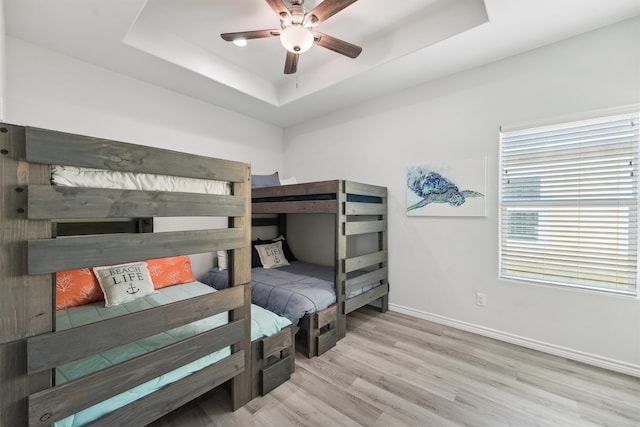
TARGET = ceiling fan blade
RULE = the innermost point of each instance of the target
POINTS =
(278, 6)
(291, 63)
(337, 45)
(328, 8)
(246, 35)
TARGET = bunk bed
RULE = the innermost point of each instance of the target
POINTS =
(360, 277)
(31, 346)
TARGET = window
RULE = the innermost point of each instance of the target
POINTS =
(569, 203)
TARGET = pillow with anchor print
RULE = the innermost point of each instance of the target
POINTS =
(272, 255)
(124, 282)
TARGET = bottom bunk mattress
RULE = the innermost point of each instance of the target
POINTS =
(263, 323)
(292, 290)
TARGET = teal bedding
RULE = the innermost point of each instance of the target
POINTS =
(263, 323)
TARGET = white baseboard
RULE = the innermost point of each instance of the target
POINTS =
(591, 359)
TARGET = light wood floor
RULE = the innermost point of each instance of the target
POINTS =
(395, 370)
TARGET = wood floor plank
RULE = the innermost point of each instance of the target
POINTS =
(350, 405)
(562, 365)
(395, 370)
(406, 372)
(479, 379)
(395, 408)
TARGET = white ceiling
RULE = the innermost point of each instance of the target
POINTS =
(176, 44)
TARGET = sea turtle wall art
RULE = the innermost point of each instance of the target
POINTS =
(454, 188)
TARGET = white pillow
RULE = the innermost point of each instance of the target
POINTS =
(222, 260)
(288, 181)
(124, 282)
(272, 255)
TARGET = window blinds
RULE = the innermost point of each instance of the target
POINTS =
(569, 203)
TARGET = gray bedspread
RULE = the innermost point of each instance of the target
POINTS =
(290, 291)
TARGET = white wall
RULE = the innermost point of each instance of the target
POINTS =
(54, 91)
(437, 264)
(49, 90)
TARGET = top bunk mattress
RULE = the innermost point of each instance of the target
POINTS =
(312, 197)
(71, 176)
(319, 191)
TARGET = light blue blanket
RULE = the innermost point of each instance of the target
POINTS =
(263, 323)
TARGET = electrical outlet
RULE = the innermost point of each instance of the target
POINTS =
(481, 299)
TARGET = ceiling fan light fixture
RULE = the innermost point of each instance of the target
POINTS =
(240, 42)
(296, 39)
(297, 30)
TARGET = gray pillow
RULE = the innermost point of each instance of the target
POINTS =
(265, 180)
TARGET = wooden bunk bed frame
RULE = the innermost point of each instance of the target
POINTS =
(29, 345)
(355, 214)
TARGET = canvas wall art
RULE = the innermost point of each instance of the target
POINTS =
(451, 188)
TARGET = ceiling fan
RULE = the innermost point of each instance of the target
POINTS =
(296, 32)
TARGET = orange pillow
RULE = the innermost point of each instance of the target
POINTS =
(170, 271)
(77, 287)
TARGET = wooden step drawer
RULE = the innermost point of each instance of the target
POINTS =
(275, 375)
(326, 341)
(327, 316)
(273, 345)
